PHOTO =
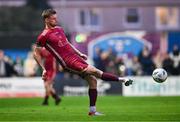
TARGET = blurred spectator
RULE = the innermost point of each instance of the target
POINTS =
(167, 64)
(120, 66)
(175, 57)
(158, 59)
(6, 69)
(30, 66)
(18, 66)
(128, 64)
(111, 57)
(104, 60)
(146, 61)
(98, 63)
(136, 66)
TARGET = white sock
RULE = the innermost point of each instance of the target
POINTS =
(92, 108)
(122, 79)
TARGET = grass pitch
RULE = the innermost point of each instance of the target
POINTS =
(115, 108)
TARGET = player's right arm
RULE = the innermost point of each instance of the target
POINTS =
(38, 57)
(39, 60)
(40, 43)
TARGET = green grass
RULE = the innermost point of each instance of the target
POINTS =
(115, 108)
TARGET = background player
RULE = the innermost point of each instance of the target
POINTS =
(71, 59)
(50, 65)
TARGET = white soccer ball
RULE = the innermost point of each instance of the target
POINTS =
(159, 75)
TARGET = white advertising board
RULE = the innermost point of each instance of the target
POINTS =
(145, 86)
(21, 87)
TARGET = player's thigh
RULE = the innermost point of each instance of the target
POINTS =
(50, 75)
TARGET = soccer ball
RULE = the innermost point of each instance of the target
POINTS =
(159, 75)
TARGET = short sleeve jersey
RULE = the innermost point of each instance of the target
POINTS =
(55, 41)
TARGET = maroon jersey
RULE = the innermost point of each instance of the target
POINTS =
(55, 41)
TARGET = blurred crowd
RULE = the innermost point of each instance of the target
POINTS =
(140, 65)
(18, 67)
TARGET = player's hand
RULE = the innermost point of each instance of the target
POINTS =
(84, 56)
(44, 74)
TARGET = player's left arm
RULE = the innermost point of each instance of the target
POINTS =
(78, 52)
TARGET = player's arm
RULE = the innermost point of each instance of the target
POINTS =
(78, 52)
(37, 56)
(39, 60)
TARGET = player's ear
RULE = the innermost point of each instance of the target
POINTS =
(46, 20)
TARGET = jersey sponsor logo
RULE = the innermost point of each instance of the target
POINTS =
(60, 43)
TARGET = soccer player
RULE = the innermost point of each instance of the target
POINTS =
(49, 63)
(71, 59)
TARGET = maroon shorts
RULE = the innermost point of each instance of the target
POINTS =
(77, 65)
(50, 75)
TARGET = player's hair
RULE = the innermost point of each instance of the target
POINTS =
(47, 13)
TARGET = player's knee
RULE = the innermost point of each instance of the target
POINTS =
(83, 75)
(92, 82)
(96, 72)
(47, 83)
(92, 85)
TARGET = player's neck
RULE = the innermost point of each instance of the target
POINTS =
(49, 27)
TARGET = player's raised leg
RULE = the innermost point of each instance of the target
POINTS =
(107, 76)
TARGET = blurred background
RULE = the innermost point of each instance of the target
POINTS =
(125, 37)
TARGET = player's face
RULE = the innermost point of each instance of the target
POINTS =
(52, 20)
